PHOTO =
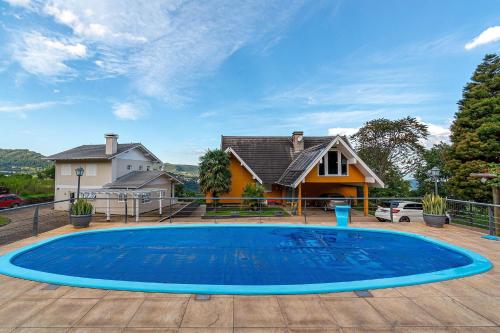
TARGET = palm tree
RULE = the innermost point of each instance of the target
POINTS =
(215, 176)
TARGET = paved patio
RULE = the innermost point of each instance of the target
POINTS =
(464, 305)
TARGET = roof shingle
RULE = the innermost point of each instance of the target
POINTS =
(94, 152)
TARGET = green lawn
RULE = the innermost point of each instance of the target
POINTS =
(39, 195)
(228, 211)
(4, 221)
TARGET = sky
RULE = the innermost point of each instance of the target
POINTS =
(176, 75)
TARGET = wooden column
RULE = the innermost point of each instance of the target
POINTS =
(299, 203)
(365, 201)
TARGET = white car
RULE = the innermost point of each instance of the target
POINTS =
(402, 211)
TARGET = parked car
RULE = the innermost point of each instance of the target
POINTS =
(402, 211)
(329, 204)
(10, 201)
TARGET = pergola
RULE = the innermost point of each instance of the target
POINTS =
(135, 194)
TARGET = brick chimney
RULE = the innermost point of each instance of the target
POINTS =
(298, 141)
(111, 143)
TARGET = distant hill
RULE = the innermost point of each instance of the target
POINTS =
(21, 160)
(183, 169)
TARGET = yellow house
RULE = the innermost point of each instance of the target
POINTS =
(298, 166)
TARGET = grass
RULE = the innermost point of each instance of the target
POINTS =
(39, 195)
(4, 221)
(229, 211)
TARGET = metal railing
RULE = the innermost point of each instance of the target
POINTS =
(30, 220)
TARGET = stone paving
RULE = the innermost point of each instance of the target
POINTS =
(464, 305)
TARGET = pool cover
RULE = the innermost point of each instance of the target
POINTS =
(240, 255)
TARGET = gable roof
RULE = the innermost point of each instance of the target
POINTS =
(98, 152)
(137, 179)
(272, 159)
(267, 156)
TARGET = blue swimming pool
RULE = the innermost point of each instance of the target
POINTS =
(251, 259)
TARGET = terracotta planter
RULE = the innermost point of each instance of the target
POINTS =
(81, 221)
(436, 221)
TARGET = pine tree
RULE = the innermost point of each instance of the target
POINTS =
(475, 132)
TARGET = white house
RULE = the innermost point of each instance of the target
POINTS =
(114, 173)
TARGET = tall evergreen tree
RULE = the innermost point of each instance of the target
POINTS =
(475, 132)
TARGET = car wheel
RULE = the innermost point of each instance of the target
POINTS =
(14, 205)
(404, 219)
(380, 219)
(447, 221)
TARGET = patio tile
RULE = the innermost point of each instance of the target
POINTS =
(85, 293)
(95, 330)
(40, 291)
(345, 294)
(386, 292)
(217, 312)
(485, 283)
(257, 312)
(39, 330)
(61, 313)
(15, 312)
(260, 330)
(162, 312)
(419, 291)
(366, 330)
(306, 313)
(166, 295)
(111, 313)
(402, 312)
(113, 294)
(354, 312)
(149, 330)
(205, 330)
(315, 330)
(451, 313)
(488, 307)
(456, 288)
(477, 329)
(14, 287)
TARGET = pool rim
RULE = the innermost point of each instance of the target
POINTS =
(480, 264)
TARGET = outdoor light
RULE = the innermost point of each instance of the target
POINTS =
(79, 172)
(434, 174)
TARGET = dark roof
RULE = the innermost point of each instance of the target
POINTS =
(300, 164)
(94, 152)
(136, 179)
(269, 156)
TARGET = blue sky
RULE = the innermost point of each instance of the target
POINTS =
(176, 75)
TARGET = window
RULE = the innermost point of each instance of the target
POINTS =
(91, 170)
(88, 195)
(148, 168)
(140, 167)
(65, 169)
(268, 187)
(332, 164)
(145, 198)
(122, 197)
(129, 167)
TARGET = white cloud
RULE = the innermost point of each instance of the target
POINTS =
(19, 3)
(46, 56)
(347, 131)
(490, 35)
(207, 114)
(130, 110)
(437, 133)
(22, 109)
(166, 47)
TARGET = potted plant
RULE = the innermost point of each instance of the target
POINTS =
(434, 210)
(81, 213)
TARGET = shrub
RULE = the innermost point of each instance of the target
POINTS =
(434, 204)
(252, 191)
(81, 207)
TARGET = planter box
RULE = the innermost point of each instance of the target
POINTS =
(436, 221)
(80, 221)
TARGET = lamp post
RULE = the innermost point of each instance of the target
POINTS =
(79, 172)
(434, 174)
